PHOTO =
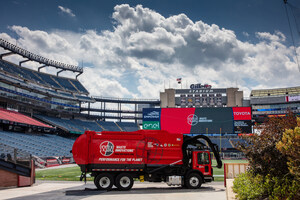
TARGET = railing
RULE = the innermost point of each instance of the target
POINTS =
(37, 58)
(125, 99)
(93, 109)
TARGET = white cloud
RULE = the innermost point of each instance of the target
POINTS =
(68, 11)
(146, 50)
(246, 34)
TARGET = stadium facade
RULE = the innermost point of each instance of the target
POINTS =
(267, 103)
(199, 95)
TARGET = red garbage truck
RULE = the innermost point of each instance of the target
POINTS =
(117, 158)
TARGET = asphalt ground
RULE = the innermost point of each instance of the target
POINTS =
(57, 190)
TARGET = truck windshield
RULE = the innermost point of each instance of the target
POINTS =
(203, 158)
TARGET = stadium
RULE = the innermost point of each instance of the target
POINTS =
(41, 114)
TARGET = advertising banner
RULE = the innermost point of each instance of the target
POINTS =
(151, 125)
(212, 121)
(175, 120)
(241, 113)
(151, 118)
(216, 120)
(242, 126)
(197, 120)
(151, 114)
(292, 98)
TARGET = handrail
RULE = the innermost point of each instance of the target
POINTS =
(123, 99)
(34, 57)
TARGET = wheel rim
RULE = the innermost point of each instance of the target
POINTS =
(194, 181)
(125, 181)
(104, 182)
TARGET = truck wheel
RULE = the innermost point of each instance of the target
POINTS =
(104, 181)
(124, 181)
(193, 181)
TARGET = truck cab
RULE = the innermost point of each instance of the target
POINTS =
(202, 163)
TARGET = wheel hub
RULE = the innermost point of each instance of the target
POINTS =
(194, 181)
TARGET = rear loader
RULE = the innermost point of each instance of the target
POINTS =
(117, 158)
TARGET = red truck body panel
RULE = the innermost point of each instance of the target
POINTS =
(131, 148)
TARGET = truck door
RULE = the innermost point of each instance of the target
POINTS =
(202, 162)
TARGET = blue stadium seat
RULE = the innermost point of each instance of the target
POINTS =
(79, 86)
(39, 145)
(64, 82)
(71, 125)
(128, 126)
(43, 78)
(109, 126)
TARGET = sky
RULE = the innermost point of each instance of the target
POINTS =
(135, 49)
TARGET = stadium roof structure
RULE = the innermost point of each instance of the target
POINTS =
(275, 92)
(34, 57)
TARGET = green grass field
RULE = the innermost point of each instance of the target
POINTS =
(73, 173)
(62, 174)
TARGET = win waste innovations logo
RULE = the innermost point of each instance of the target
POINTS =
(193, 120)
(106, 148)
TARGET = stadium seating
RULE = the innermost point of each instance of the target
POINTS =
(128, 126)
(39, 145)
(84, 98)
(236, 141)
(79, 126)
(71, 125)
(42, 78)
(223, 143)
(79, 86)
(64, 82)
(49, 81)
(14, 116)
(109, 126)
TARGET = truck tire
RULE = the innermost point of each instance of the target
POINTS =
(193, 181)
(104, 181)
(124, 181)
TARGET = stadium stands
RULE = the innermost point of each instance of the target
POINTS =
(13, 116)
(128, 126)
(62, 83)
(109, 126)
(79, 86)
(79, 126)
(71, 125)
(223, 143)
(39, 145)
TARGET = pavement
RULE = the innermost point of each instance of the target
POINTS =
(229, 193)
(146, 191)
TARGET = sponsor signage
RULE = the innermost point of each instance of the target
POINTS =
(151, 125)
(242, 127)
(193, 119)
(177, 120)
(212, 121)
(199, 86)
(151, 114)
(199, 120)
(241, 113)
(201, 91)
(292, 98)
